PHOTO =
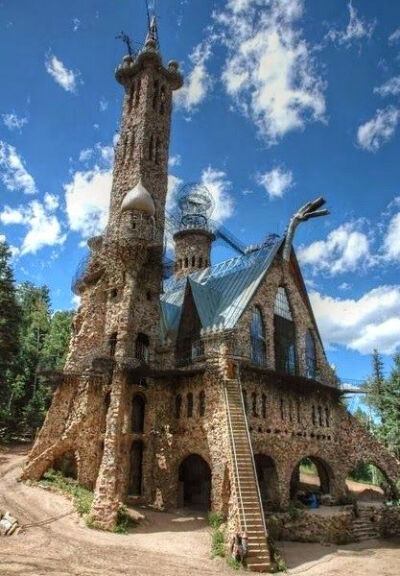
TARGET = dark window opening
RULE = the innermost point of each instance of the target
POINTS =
(180, 264)
(138, 89)
(136, 471)
(142, 348)
(206, 263)
(313, 415)
(321, 423)
(327, 419)
(148, 295)
(114, 293)
(189, 399)
(264, 406)
(195, 479)
(202, 403)
(163, 99)
(138, 407)
(178, 406)
(254, 404)
(193, 260)
(282, 408)
(151, 146)
(112, 343)
(132, 143)
(290, 412)
(284, 334)
(186, 262)
(200, 262)
(257, 337)
(298, 412)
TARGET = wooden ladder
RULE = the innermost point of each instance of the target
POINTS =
(248, 496)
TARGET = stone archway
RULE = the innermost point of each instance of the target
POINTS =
(195, 482)
(66, 464)
(368, 482)
(136, 469)
(268, 481)
(311, 474)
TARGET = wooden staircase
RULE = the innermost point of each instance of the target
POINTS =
(363, 527)
(246, 484)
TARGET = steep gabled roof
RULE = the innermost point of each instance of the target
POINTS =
(221, 292)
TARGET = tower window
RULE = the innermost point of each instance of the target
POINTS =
(321, 423)
(257, 337)
(186, 262)
(313, 415)
(189, 399)
(142, 348)
(327, 419)
(151, 146)
(180, 264)
(162, 100)
(112, 343)
(200, 262)
(132, 143)
(193, 260)
(178, 406)
(264, 406)
(254, 404)
(284, 334)
(202, 403)
(137, 419)
(282, 410)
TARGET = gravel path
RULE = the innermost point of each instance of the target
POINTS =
(164, 545)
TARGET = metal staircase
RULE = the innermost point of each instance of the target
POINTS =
(248, 495)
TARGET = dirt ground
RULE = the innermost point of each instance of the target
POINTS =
(56, 541)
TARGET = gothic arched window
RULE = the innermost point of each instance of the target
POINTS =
(193, 261)
(138, 88)
(311, 361)
(257, 337)
(284, 334)
(142, 348)
(155, 94)
(162, 100)
(137, 419)
(151, 146)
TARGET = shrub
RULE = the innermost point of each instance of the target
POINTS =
(81, 497)
(217, 543)
(215, 519)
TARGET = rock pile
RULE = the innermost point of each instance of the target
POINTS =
(8, 524)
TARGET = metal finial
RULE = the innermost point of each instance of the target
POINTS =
(309, 210)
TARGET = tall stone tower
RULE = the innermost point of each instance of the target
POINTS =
(117, 326)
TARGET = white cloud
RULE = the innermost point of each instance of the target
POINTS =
(347, 248)
(174, 161)
(174, 184)
(103, 104)
(66, 78)
(87, 198)
(85, 154)
(14, 122)
(357, 29)
(51, 202)
(43, 228)
(198, 80)
(76, 24)
(379, 130)
(276, 182)
(389, 88)
(2, 238)
(394, 37)
(219, 186)
(13, 173)
(370, 322)
(391, 244)
(269, 70)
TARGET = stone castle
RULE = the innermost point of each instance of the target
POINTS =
(205, 390)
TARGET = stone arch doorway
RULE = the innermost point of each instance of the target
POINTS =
(195, 482)
(138, 410)
(67, 464)
(367, 482)
(311, 474)
(136, 469)
(268, 481)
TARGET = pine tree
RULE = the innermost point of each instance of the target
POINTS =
(10, 321)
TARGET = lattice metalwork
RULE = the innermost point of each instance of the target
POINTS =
(282, 307)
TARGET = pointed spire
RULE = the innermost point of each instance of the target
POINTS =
(152, 35)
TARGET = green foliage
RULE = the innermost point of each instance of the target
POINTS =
(233, 563)
(217, 543)
(274, 525)
(278, 562)
(294, 512)
(82, 497)
(215, 519)
(124, 521)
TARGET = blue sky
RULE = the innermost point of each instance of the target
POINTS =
(283, 101)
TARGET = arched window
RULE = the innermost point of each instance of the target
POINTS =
(321, 422)
(284, 334)
(189, 399)
(327, 418)
(264, 405)
(151, 146)
(162, 100)
(202, 403)
(311, 361)
(298, 410)
(282, 410)
(142, 348)
(138, 405)
(254, 404)
(180, 264)
(186, 262)
(193, 260)
(112, 342)
(257, 337)
(200, 261)
(178, 406)
(314, 415)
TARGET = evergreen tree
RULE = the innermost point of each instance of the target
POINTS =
(10, 319)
